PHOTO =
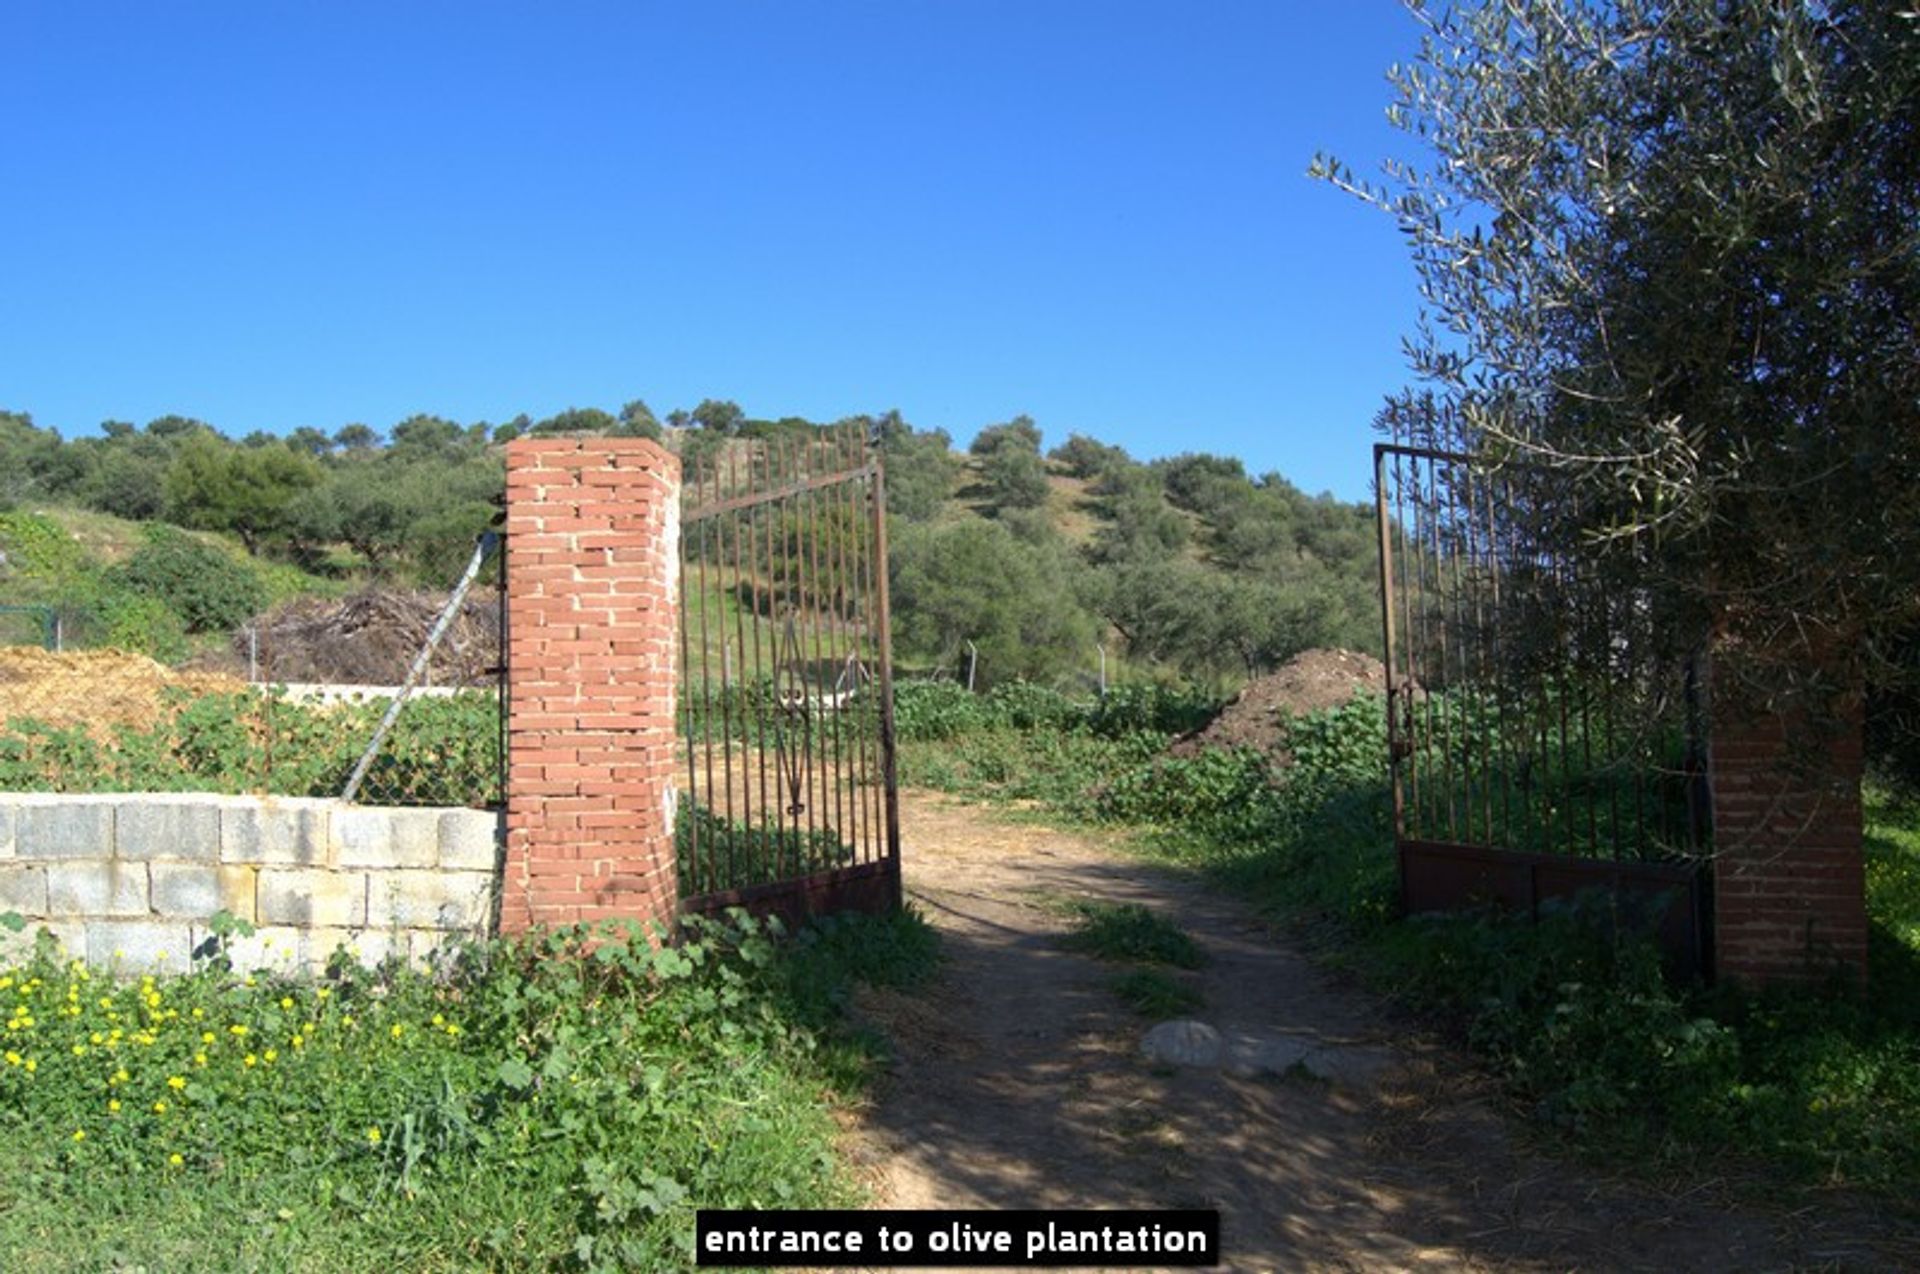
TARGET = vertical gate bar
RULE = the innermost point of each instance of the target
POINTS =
(762, 586)
(690, 869)
(1385, 534)
(841, 522)
(815, 724)
(705, 741)
(874, 785)
(1563, 599)
(1442, 601)
(726, 686)
(742, 598)
(859, 786)
(1459, 700)
(889, 773)
(1476, 581)
(1409, 564)
(829, 624)
(1496, 568)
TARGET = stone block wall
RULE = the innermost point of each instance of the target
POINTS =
(135, 880)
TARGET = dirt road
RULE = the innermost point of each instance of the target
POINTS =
(1019, 1083)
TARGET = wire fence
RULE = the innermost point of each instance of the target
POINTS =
(294, 704)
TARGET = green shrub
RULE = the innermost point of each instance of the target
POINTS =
(209, 590)
(561, 1100)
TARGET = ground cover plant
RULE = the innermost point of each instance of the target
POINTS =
(560, 1101)
(442, 750)
(1574, 1012)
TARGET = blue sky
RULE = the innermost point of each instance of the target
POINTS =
(269, 216)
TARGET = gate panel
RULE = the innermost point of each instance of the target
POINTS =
(1542, 743)
(789, 803)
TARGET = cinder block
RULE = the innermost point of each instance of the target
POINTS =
(456, 900)
(385, 837)
(64, 827)
(369, 947)
(310, 897)
(189, 891)
(273, 949)
(23, 889)
(8, 813)
(185, 827)
(70, 934)
(140, 944)
(78, 890)
(281, 832)
(470, 839)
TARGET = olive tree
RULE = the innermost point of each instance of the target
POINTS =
(1669, 254)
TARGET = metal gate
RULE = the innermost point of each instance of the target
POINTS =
(786, 690)
(1542, 742)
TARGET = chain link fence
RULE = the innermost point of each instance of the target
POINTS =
(322, 697)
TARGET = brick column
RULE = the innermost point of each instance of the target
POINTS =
(1789, 877)
(593, 560)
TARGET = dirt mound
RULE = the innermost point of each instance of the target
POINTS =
(1311, 681)
(371, 638)
(93, 686)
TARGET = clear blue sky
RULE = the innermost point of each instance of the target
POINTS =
(273, 215)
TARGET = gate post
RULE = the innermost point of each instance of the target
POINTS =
(1789, 869)
(592, 580)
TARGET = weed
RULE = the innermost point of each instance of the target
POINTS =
(1128, 931)
(1154, 994)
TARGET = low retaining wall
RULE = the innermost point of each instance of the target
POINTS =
(135, 880)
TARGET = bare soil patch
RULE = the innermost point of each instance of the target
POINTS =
(1018, 1083)
(99, 687)
(1311, 681)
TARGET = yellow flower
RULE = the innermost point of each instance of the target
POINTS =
(176, 1082)
(113, 1105)
(271, 1055)
(438, 1020)
(13, 1058)
(452, 1029)
(159, 1108)
(297, 1041)
(206, 1037)
(79, 1134)
(120, 1076)
(199, 1013)
(322, 993)
(397, 1029)
(251, 1059)
(79, 1050)
(286, 1002)
(373, 1136)
(249, 981)
(175, 1159)
(32, 1066)
(199, 1059)
(237, 1029)
(97, 1038)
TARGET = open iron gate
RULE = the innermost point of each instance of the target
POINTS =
(1543, 744)
(786, 690)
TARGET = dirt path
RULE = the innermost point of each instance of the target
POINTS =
(1018, 1083)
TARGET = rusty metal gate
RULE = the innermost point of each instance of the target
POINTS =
(1542, 743)
(786, 692)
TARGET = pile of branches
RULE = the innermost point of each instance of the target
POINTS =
(372, 638)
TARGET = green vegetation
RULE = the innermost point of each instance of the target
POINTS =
(1574, 1012)
(556, 1102)
(441, 751)
(1129, 931)
(715, 854)
(1153, 994)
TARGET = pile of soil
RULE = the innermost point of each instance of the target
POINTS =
(93, 686)
(372, 638)
(1311, 681)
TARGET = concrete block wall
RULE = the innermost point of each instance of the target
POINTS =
(592, 578)
(1789, 869)
(135, 880)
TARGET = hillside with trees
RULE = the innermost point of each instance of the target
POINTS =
(1027, 560)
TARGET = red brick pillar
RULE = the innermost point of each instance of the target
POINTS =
(593, 559)
(1789, 877)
